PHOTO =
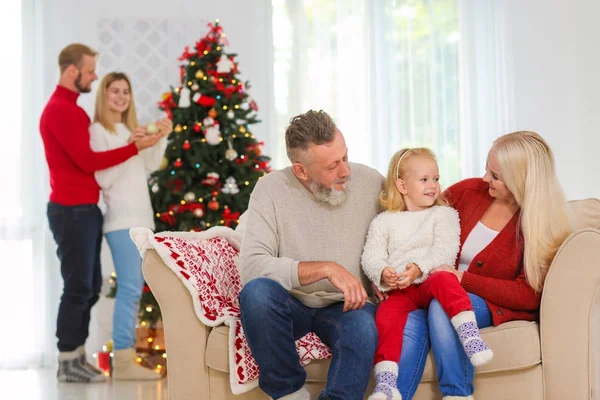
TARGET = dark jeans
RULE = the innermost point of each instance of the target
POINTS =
(77, 232)
(273, 320)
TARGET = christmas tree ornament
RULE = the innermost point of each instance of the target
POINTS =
(213, 204)
(186, 145)
(199, 74)
(208, 121)
(184, 98)
(177, 128)
(242, 129)
(195, 87)
(231, 186)
(212, 178)
(230, 154)
(198, 213)
(178, 163)
(212, 113)
(189, 197)
(213, 135)
(152, 128)
(197, 128)
(155, 188)
(164, 163)
(230, 114)
(224, 65)
(244, 106)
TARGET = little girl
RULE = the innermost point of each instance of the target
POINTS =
(416, 233)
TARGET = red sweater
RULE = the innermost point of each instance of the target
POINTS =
(496, 273)
(72, 163)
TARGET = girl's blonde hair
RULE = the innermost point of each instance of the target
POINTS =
(102, 112)
(527, 169)
(390, 199)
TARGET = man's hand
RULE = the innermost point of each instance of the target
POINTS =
(355, 295)
(447, 268)
(389, 277)
(406, 278)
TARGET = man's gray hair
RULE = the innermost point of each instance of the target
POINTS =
(312, 127)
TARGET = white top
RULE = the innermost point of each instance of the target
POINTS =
(477, 240)
(427, 238)
(125, 186)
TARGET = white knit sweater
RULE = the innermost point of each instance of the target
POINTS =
(125, 186)
(427, 238)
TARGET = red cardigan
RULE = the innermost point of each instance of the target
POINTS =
(496, 273)
(64, 127)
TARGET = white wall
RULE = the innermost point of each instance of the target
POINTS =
(555, 68)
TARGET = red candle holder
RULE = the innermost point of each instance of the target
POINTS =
(103, 358)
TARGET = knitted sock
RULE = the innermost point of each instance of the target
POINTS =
(468, 333)
(386, 376)
(70, 369)
(84, 362)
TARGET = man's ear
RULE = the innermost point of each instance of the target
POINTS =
(300, 171)
(401, 186)
(72, 71)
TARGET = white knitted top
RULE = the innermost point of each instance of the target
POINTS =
(428, 238)
(125, 186)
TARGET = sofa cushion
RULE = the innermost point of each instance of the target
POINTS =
(516, 345)
(585, 213)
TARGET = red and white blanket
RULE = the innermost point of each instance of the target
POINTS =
(206, 264)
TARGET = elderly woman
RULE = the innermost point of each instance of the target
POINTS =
(507, 244)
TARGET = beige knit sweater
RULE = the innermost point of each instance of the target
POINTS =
(285, 225)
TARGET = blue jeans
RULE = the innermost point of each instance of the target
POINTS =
(432, 328)
(77, 231)
(273, 320)
(130, 282)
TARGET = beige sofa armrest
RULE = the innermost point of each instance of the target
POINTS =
(569, 317)
(185, 335)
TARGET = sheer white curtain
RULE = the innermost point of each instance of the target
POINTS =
(26, 288)
(395, 73)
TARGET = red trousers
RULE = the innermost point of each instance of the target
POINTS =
(393, 312)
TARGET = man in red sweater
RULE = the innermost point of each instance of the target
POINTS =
(74, 217)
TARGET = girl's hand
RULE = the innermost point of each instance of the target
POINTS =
(447, 268)
(389, 277)
(406, 278)
(381, 296)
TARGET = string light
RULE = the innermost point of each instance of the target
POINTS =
(149, 309)
(150, 340)
(193, 63)
(164, 355)
(205, 52)
(143, 323)
(157, 347)
(182, 202)
(139, 359)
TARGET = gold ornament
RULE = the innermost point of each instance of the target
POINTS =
(199, 74)
(152, 128)
(242, 129)
(164, 163)
(231, 154)
(177, 128)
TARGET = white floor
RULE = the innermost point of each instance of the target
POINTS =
(41, 384)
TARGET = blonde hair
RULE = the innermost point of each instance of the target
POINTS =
(73, 55)
(390, 199)
(102, 111)
(527, 169)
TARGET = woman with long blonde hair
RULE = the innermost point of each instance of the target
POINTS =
(125, 193)
(513, 220)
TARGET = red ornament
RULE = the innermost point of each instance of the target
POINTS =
(178, 163)
(213, 204)
(197, 128)
(186, 145)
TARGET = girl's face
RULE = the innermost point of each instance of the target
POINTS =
(118, 96)
(492, 176)
(420, 186)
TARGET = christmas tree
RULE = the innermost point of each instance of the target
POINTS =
(213, 159)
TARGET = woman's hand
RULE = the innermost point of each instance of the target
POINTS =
(406, 278)
(447, 268)
(381, 296)
(137, 134)
(165, 126)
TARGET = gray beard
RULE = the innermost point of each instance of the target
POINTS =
(329, 194)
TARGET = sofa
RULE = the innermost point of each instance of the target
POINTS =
(557, 359)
